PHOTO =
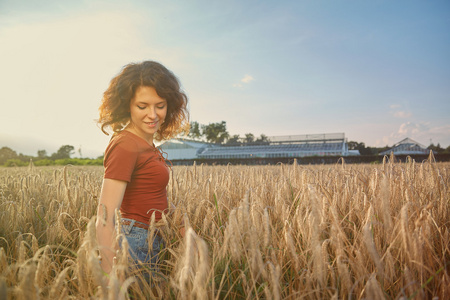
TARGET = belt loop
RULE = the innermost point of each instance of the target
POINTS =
(127, 228)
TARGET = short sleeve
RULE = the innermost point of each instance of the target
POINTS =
(120, 159)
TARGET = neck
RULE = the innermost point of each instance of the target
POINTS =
(135, 132)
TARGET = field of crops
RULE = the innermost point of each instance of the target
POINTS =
(254, 232)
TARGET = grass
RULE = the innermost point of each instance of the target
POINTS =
(254, 232)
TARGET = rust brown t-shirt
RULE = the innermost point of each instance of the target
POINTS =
(130, 158)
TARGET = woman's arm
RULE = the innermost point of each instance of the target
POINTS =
(111, 198)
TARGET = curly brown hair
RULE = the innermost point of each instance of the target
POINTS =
(115, 106)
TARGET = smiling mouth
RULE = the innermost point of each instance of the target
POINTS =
(151, 124)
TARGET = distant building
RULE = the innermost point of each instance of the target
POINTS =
(182, 148)
(407, 147)
(331, 144)
(354, 152)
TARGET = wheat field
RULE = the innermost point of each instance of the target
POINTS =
(252, 232)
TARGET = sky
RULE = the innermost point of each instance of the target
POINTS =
(378, 71)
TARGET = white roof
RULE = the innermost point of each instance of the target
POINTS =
(407, 146)
(182, 144)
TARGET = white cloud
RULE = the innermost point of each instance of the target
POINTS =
(422, 132)
(410, 128)
(245, 80)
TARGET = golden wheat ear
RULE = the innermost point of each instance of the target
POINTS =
(314, 231)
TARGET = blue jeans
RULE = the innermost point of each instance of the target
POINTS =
(138, 248)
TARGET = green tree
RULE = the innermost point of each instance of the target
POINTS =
(447, 150)
(15, 162)
(436, 149)
(7, 153)
(42, 154)
(263, 140)
(234, 140)
(249, 138)
(352, 145)
(361, 147)
(195, 131)
(64, 152)
(215, 132)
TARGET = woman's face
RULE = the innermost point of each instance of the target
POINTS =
(148, 112)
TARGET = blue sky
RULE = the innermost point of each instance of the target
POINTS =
(379, 71)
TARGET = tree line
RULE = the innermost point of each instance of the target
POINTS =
(217, 133)
(10, 158)
(363, 150)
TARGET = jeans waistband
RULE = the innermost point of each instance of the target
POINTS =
(128, 224)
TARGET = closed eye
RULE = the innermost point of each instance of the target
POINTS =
(141, 107)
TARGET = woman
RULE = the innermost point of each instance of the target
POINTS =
(143, 103)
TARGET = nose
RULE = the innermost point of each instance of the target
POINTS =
(151, 113)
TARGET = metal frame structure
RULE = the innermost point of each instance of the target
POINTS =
(331, 144)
